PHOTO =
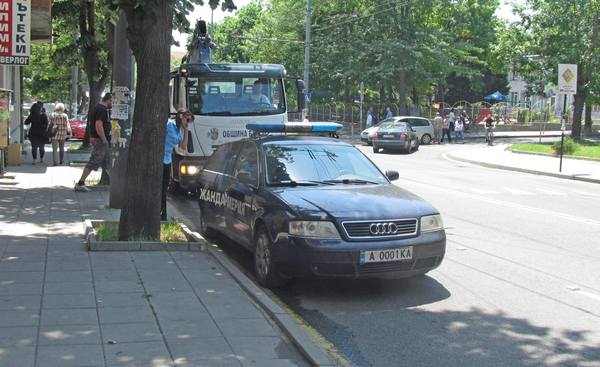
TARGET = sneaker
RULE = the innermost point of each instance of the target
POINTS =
(82, 188)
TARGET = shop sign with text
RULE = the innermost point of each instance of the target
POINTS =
(15, 32)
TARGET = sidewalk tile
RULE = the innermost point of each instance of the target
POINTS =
(19, 318)
(273, 363)
(234, 310)
(118, 315)
(178, 331)
(147, 354)
(69, 334)
(118, 275)
(70, 356)
(23, 257)
(155, 286)
(69, 316)
(16, 288)
(261, 348)
(193, 350)
(121, 299)
(84, 300)
(18, 336)
(21, 303)
(226, 362)
(68, 288)
(132, 332)
(119, 286)
(22, 276)
(67, 266)
(68, 276)
(17, 356)
(246, 327)
(21, 265)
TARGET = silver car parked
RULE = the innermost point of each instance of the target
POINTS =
(422, 126)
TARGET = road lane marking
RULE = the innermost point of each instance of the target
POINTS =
(484, 192)
(508, 204)
(518, 192)
(552, 192)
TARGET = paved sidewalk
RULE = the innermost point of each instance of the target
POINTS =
(61, 305)
(497, 157)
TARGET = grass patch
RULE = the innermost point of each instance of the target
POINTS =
(78, 148)
(582, 150)
(169, 232)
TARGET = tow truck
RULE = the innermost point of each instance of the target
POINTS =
(223, 98)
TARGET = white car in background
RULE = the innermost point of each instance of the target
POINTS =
(421, 125)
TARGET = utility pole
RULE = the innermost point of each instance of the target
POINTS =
(74, 82)
(307, 56)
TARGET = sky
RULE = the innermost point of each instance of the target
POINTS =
(204, 12)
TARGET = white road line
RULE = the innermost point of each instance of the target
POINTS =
(518, 192)
(551, 192)
(484, 192)
(551, 213)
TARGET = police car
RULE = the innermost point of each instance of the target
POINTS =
(311, 206)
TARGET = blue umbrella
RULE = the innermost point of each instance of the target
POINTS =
(496, 97)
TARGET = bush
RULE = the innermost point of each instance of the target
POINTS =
(569, 146)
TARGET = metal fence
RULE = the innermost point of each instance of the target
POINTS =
(502, 113)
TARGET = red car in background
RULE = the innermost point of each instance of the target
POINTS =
(78, 125)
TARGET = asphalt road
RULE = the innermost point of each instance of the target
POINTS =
(520, 284)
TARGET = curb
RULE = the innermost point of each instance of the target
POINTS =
(314, 354)
(554, 156)
(93, 244)
(523, 170)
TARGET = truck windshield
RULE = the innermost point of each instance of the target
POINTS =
(234, 95)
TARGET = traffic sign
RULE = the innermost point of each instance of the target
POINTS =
(567, 78)
(307, 96)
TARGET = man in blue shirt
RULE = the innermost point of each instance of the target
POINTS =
(176, 135)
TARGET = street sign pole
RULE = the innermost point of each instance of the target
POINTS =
(562, 131)
(567, 84)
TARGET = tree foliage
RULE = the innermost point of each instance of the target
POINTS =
(401, 50)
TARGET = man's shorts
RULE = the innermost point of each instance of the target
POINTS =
(100, 156)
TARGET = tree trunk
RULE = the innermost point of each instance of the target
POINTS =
(149, 34)
(402, 92)
(588, 119)
(577, 114)
(415, 96)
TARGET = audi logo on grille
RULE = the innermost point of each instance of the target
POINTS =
(387, 228)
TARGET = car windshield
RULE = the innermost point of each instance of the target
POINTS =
(318, 163)
(235, 95)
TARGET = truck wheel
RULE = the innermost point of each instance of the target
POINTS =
(266, 271)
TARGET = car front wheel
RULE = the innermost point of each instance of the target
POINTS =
(264, 266)
(203, 228)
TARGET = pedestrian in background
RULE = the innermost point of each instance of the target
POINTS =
(100, 132)
(459, 132)
(388, 114)
(38, 132)
(60, 120)
(438, 123)
(451, 120)
(370, 117)
(446, 130)
(176, 135)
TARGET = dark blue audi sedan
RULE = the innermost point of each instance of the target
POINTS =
(310, 206)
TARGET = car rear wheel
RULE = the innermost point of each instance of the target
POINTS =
(409, 147)
(264, 266)
(426, 139)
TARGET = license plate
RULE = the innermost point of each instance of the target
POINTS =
(388, 136)
(379, 256)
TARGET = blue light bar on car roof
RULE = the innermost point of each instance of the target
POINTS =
(295, 127)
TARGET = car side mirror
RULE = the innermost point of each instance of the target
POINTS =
(392, 175)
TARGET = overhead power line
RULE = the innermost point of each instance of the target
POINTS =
(350, 20)
(268, 39)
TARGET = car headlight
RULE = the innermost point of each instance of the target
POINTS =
(431, 223)
(189, 170)
(314, 229)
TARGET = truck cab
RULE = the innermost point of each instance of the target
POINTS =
(223, 98)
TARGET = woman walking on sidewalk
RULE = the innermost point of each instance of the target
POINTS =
(59, 119)
(38, 135)
(459, 134)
